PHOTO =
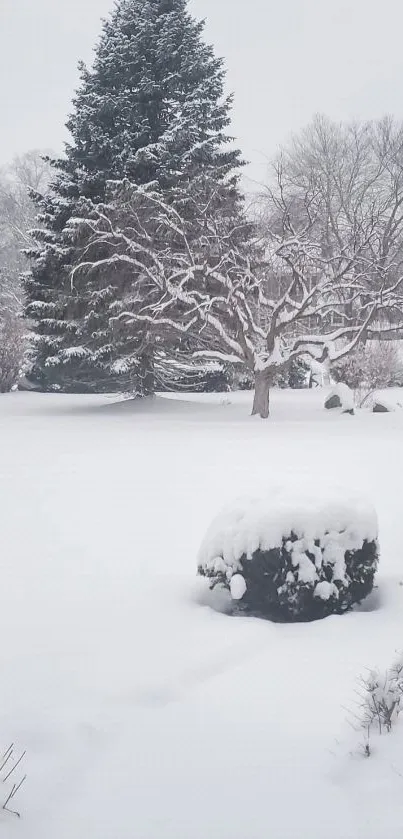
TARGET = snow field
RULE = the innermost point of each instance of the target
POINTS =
(144, 711)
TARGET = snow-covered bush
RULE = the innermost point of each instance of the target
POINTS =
(376, 365)
(293, 557)
(295, 376)
(349, 369)
(382, 368)
(11, 781)
(382, 695)
(380, 701)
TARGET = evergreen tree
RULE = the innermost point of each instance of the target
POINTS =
(151, 111)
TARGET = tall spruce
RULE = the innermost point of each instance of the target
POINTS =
(151, 111)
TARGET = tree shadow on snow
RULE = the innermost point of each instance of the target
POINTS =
(152, 407)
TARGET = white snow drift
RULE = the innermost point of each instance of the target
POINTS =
(143, 712)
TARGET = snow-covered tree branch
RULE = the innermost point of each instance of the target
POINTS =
(203, 277)
(170, 138)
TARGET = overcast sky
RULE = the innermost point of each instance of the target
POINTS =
(286, 59)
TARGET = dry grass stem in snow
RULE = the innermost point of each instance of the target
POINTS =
(9, 763)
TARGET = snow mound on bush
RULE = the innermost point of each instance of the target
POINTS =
(340, 521)
(237, 587)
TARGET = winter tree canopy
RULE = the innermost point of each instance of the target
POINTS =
(211, 282)
(152, 109)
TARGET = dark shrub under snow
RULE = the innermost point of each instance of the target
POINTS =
(293, 559)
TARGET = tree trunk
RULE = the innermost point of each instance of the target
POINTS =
(149, 381)
(261, 401)
(147, 374)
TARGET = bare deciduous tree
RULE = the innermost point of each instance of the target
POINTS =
(207, 281)
(17, 216)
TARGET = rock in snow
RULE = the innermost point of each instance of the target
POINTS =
(341, 397)
(381, 406)
(333, 401)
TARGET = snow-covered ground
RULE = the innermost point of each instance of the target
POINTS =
(144, 712)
